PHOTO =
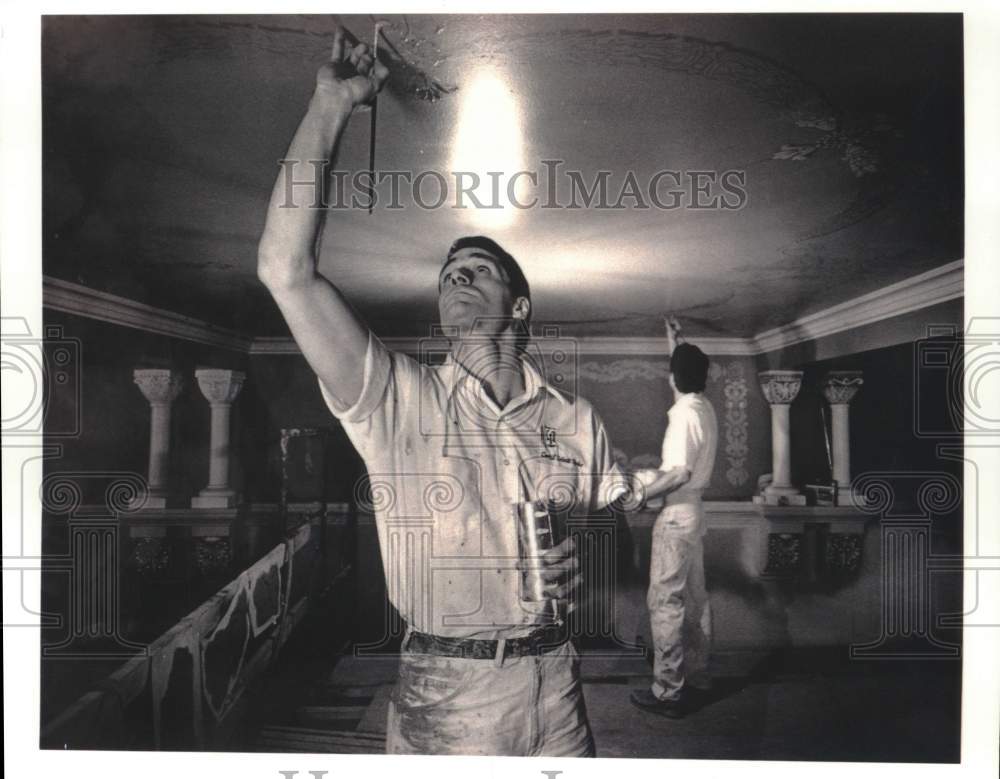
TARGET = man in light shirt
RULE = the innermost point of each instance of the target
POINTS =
(679, 611)
(450, 450)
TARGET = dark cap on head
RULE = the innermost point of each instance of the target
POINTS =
(689, 364)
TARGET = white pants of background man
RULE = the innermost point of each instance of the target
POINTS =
(680, 616)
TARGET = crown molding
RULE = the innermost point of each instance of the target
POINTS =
(585, 347)
(273, 345)
(657, 346)
(935, 286)
(71, 298)
(938, 285)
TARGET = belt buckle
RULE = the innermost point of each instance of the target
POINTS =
(498, 658)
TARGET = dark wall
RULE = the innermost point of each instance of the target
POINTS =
(632, 396)
(111, 415)
(901, 414)
(904, 422)
(284, 394)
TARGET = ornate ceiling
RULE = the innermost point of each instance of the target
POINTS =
(755, 168)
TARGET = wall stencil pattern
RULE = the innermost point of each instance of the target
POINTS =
(736, 424)
(635, 369)
(624, 370)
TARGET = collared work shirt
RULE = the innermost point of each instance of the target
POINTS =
(690, 442)
(446, 466)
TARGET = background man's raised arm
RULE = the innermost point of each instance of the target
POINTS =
(674, 336)
(657, 481)
(328, 331)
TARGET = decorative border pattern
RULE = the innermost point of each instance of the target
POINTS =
(784, 553)
(640, 370)
(736, 424)
(624, 370)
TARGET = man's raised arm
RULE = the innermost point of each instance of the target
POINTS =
(655, 481)
(328, 331)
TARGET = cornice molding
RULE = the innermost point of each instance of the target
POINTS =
(928, 289)
(586, 347)
(273, 345)
(657, 346)
(935, 286)
(71, 298)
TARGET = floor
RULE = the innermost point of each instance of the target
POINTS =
(786, 687)
(796, 704)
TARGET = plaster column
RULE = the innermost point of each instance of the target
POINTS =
(220, 388)
(839, 388)
(781, 388)
(160, 386)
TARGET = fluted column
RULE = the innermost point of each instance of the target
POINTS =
(839, 388)
(220, 388)
(781, 388)
(160, 386)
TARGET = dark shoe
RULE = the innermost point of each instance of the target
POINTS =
(645, 700)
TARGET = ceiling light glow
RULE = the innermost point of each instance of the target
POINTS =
(489, 149)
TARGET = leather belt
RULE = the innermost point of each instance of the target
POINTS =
(540, 641)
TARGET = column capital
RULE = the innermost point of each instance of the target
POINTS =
(158, 385)
(840, 387)
(780, 387)
(219, 386)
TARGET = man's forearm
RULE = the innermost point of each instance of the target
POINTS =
(667, 481)
(331, 336)
(295, 212)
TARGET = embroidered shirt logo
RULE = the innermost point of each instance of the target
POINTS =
(551, 450)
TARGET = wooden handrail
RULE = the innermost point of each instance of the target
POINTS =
(183, 691)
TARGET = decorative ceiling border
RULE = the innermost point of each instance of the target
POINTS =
(927, 289)
(71, 298)
(585, 347)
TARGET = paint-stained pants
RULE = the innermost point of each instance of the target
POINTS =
(679, 612)
(529, 706)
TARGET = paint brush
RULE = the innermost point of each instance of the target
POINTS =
(373, 122)
(406, 79)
